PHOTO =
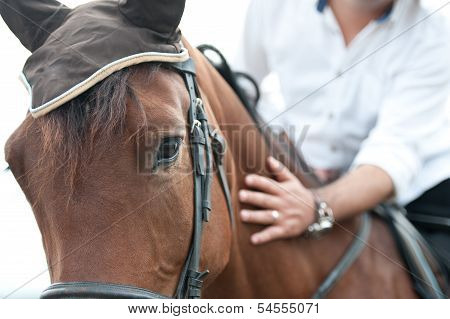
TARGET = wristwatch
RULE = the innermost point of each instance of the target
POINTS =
(324, 218)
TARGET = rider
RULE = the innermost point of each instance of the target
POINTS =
(369, 79)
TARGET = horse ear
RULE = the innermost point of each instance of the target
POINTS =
(161, 16)
(32, 21)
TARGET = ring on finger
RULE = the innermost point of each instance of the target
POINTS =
(275, 215)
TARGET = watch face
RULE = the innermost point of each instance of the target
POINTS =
(326, 224)
(329, 213)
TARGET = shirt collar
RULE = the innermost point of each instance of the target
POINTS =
(390, 13)
(321, 4)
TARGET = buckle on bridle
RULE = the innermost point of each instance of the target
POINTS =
(195, 124)
(195, 283)
(199, 102)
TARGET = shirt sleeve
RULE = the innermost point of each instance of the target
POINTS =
(410, 114)
(251, 57)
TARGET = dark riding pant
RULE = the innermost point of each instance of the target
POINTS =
(430, 213)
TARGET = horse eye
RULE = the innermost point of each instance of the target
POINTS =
(168, 150)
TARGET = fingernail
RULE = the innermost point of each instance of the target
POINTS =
(242, 195)
(272, 161)
(244, 214)
(249, 179)
(255, 240)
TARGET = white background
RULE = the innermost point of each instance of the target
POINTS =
(22, 258)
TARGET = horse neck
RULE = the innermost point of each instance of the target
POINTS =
(283, 268)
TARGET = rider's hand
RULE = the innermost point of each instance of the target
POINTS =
(284, 204)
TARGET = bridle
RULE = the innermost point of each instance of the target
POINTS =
(206, 146)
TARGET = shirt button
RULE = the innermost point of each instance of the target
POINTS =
(331, 116)
(333, 148)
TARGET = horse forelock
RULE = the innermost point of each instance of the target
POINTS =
(93, 121)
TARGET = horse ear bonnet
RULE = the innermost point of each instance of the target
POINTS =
(33, 21)
(74, 49)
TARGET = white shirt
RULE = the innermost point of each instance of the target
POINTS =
(388, 106)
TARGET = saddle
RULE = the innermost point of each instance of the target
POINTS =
(429, 276)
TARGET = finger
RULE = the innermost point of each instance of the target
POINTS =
(259, 199)
(263, 184)
(262, 217)
(281, 172)
(268, 234)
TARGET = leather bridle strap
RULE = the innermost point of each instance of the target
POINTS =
(96, 290)
(218, 143)
(191, 279)
(219, 148)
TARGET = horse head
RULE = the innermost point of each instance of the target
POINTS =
(108, 169)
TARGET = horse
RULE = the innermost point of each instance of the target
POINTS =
(102, 220)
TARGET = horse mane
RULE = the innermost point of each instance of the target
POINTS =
(93, 120)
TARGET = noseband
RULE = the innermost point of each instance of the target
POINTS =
(206, 146)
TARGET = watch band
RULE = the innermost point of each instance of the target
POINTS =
(324, 218)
